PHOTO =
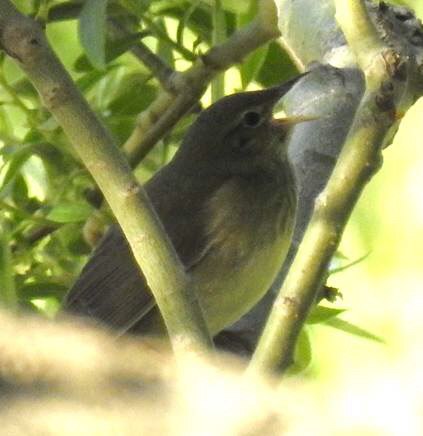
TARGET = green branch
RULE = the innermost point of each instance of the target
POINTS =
(360, 33)
(24, 41)
(359, 160)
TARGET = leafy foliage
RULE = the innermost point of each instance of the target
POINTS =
(48, 201)
(45, 193)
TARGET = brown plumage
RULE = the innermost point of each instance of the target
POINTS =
(227, 201)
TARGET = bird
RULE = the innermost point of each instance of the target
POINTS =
(227, 201)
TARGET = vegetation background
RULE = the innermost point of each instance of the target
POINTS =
(43, 186)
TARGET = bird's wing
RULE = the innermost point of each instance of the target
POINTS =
(111, 288)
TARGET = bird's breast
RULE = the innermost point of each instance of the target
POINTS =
(248, 232)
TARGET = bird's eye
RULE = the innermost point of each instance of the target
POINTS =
(251, 119)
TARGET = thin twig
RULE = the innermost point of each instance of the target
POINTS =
(189, 86)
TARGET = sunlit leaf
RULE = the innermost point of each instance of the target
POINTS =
(352, 329)
(349, 264)
(15, 163)
(164, 51)
(252, 64)
(30, 307)
(235, 6)
(6, 127)
(303, 353)
(70, 212)
(321, 314)
(7, 283)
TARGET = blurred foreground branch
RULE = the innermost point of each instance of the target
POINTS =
(65, 378)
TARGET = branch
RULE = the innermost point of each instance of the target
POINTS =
(359, 160)
(189, 86)
(360, 33)
(183, 90)
(23, 40)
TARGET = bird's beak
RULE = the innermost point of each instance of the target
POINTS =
(291, 121)
(283, 88)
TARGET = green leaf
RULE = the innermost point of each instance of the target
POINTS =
(30, 307)
(133, 96)
(6, 127)
(252, 64)
(113, 50)
(303, 353)
(7, 281)
(70, 237)
(277, 66)
(235, 6)
(121, 126)
(15, 163)
(25, 6)
(349, 264)
(137, 7)
(70, 212)
(352, 329)
(92, 31)
(20, 193)
(322, 314)
(89, 79)
(199, 21)
(25, 88)
(163, 49)
(33, 136)
(41, 290)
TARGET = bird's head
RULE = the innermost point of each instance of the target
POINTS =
(238, 134)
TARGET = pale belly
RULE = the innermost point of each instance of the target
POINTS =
(235, 287)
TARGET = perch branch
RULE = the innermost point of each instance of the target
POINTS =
(23, 40)
(360, 158)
